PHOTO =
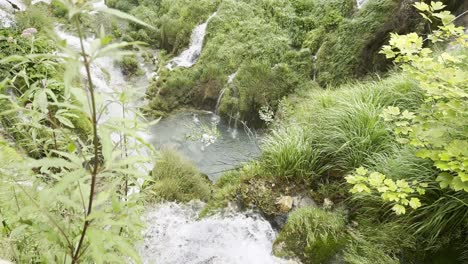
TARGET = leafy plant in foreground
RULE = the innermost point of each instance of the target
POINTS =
(72, 204)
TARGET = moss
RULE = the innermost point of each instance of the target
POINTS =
(7, 153)
(225, 190)
(314, 39)
(130, 66)
(176, 179)
(343, 56)
(311, 234)
(82, 123)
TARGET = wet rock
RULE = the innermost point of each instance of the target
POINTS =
(285, 204)
(279, 221)
(303, 200)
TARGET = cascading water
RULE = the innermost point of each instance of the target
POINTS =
(176, 236)
(220, 97)
(190, 56)
(360, 3)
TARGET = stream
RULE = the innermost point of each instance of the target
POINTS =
(174, 233)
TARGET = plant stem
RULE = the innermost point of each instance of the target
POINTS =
(94, 172)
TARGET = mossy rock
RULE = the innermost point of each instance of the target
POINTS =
(311, 234)
(174, 178)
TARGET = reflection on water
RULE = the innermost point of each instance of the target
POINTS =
(182, 131)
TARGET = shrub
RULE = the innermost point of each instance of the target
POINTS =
(312, 234)
(176, 179)
(130, 66)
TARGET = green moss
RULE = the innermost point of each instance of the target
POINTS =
(314, 39)
(311, 234)
(130, 66)
(225, 190)
(176, 179)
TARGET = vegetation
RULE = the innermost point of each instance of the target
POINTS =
(67, 195)
(175, 179)
(375, 134)
(312, 234)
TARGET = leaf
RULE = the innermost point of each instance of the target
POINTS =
(361, 171)
(376, 178)
(421, 6)
(445, 179)
(399, 209)
(40, 101)
(437, 6)
(414, 203)
(122, 15)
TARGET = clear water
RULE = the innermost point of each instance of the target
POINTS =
(232, 147)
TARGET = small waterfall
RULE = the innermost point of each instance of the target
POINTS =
(360, 3)
(175, 235)
(190, 56)
(220, 97)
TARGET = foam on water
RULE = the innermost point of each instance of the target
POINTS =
(174, 236)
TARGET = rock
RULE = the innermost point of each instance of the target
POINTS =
(279, 221)
(285, 204)
(303, 200)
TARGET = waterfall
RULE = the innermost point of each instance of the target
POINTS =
(190, 56)
(360, 3)
(176, 235)
(220, 97)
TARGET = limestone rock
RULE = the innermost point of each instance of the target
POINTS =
(303, 200)
(285, 204)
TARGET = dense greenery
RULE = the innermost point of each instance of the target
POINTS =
(66, 195)
(383, 156)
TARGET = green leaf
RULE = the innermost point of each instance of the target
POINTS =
(399, 209)
(414, 203)
(437, 6)
(445, 179)
(361, 171)
(421, 6)
(122, 15)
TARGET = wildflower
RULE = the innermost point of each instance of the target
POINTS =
(29, 32)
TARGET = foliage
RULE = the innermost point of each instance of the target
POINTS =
(372, 242)
(176, 179)
(130, 66)
(439, 127)
(400, 192)
(312, 234)
(71, 203)
(290, 153)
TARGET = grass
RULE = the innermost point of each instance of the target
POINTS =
(312, 234)
(290, 153)
(176, 179)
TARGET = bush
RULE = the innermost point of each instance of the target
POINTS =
(130, 66)
(312, 234)
(176, 179)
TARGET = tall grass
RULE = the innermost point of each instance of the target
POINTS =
(332, 132)
(290, 153)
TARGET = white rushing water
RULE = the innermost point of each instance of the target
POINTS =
(175, 236)
(190, 56)
(360, 3)
(220, 97)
